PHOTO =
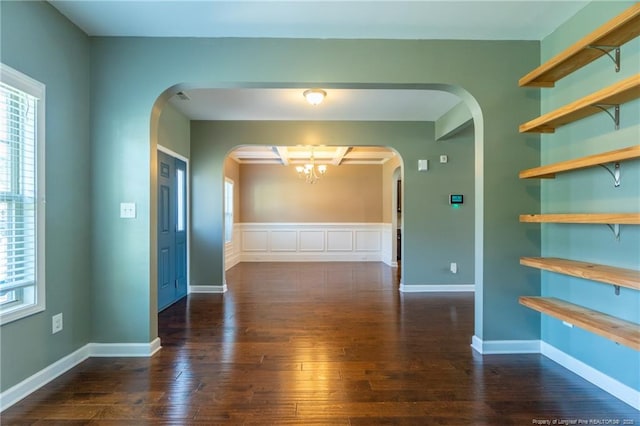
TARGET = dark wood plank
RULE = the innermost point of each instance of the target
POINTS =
(317, 344)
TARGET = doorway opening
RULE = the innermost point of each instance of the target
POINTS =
(348, 214)
(211, 278)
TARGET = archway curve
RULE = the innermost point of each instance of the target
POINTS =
(470, 102)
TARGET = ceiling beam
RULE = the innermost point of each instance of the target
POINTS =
(341, 151)
(283, 153)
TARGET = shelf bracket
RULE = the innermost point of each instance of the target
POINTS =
(615, 173)
(616, 288)
(615, 228)
(607, 51)
(616, 112)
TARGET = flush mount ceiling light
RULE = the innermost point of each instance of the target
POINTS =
(314, 96)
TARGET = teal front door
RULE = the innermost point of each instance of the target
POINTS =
(172, 230)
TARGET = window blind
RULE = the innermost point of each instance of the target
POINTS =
(18, 202)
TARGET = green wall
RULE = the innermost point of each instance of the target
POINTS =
(449, 235)
(483, 74)
(174, 131)
(457, 119)
(113, 291)
(434, 233)
(105, 101)
(36, 40)
(592, 190)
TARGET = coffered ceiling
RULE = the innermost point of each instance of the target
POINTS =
(299, 155)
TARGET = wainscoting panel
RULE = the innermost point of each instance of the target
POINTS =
(368, 240)
(311, 240)
(283, 240)
(339, 240)
(388, 241)
(232, 249)
(308, 242)
(255, 240)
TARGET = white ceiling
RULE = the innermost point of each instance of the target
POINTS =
(340, 104)
(417, 19)
(334, 19)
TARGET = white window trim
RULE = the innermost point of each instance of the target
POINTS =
(224, 210)
(33, 87)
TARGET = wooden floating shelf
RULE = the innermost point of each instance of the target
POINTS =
(629, 278)
(624, 332)
(550, 170)
(616, 94)
(602, 218)
(616, 32)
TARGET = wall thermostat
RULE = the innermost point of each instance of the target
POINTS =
(456, 199)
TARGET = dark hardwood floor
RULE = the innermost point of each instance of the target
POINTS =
(319, 344)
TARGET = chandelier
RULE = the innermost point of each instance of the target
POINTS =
(309, 172)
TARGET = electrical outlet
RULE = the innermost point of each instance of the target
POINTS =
(444, 159)
(56, 323)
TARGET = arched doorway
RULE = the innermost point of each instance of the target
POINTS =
(478, 196)
(346, 215)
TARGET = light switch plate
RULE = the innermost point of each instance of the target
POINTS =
(128, 210)
(423, 165)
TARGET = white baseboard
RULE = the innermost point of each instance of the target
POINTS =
(310, 257)
(217, 289)
(389, 262)
(490, 347)
(49, 373)
(42, 377)
(124, 349)
(621, 391)
(231, 261)
(610, 385)
(436, 288)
